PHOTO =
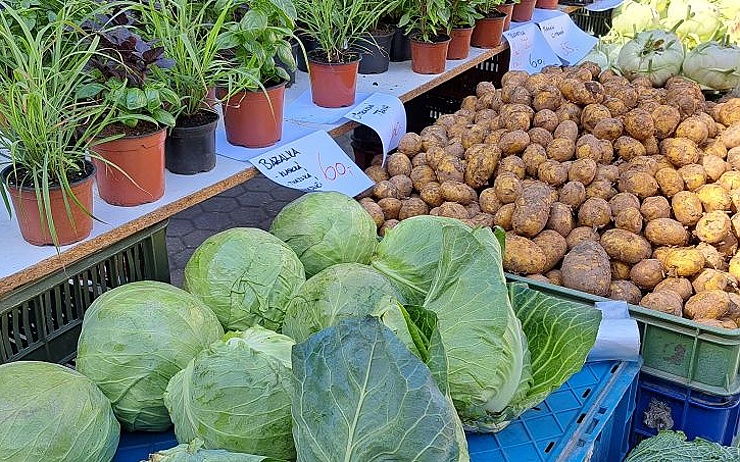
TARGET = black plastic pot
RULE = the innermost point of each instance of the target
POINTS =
(310, 44)
(376, 55)
(400, 46)
(191, 150)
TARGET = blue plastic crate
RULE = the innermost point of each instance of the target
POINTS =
(588, 418)
(666, 405)
(135, 447)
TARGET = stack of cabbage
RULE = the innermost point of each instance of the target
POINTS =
(389, 349)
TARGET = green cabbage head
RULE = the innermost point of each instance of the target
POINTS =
(246, 276)
(51, 413)
(235, 395)
(134, 339)
(194, 452)
(714, 65)
(326, 228)
(631, 18)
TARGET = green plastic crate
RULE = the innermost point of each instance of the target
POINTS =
(676, 349)
(41, 321)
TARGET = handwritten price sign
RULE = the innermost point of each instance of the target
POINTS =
(529, 50)
(313, 163)
(566, 39)
(386, 115)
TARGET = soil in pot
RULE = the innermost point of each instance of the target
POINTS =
(400, 46)
(459, 43)
(488, 31)
(547, 4)
(133, 170)
(523, 10)
(34, 228)
(190, 147)
(333, 84)
(375, 51)
(254, 119)
(429, 57)
(506, 8)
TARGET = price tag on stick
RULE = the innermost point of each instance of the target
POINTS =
(386, 115)
(529, 50)
(566, 39)
(313, 163)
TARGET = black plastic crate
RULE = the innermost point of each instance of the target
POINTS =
(41, 321)
(596, 23)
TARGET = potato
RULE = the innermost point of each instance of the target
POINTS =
(665, 301)
(608, 128)
(608, 172)
(489, 202)
(600, 188)
(623, 200)
(680, 286)
(713, 258)
(398, 164)
(553, 245)
(452, 210)
(643, 164)
(693, 176)
(728, 112)
(390, 207)
(533, 156)
(403, 185)
(523, 256)
(580, 234)
(573, 194)
(560, 219)
(555, 276)
(655, 207)
(714, 197)
(694, 129)
(419, 159)
(531, 214)
(629, 219)
(710, 279)
(561, 149)
(593, 114)
(567, 129)
(480, 219)
(639, 124)
(410, 144)
(389, 224)
(666, 231)
(456, 149)
(454, 191)
(431, 193)
(646, 274)
(641, 184)
(589, 147)
(374, 210)
(625, 246)
(728, 246)
(483, 88)
(434, 156)
(710, 304)
(595, 212)
(730, 180)
(731, 136)
(513, 142)
(385, 189)
(412, 207)
(627, 147)
(669, 181)
(422, 175)
(512, 164)
(508, 187)
(616, 106)
(474, 209)
(437, 138)
(451, 168)
(586, 267)
(539, 135)
(377, 173)
(713, 227)
(620, 270)
(687, 208)
(666, 119)
(625, 290)
(583, 171)
(552, 172)
(546, 119)
(681, 262)
(480, 167)
(503, 216)
(680, 151)
(547, 97)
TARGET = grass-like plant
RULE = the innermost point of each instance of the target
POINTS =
(426, 19)
(338, 24)
(45, 130)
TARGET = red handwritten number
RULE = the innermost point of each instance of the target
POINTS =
(332, 172)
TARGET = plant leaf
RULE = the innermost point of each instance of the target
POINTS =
(135, 99)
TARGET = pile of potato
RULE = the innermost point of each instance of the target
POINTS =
(603, 185)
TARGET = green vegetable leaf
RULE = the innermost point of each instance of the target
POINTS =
(253, 20)
(195, 452)
(355, 385)
(89, 90)
(670, 445)
(135, 99)
(163, 118)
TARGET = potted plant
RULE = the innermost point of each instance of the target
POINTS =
(507, 7)
(375, 47)
(490, 26)
(45, 132)
(547, 4)
(130, 168)
(463, 16)
(255, 43)
(189, 37)
(336, 25)
(429, 21)
(523, 10)
(401, 43)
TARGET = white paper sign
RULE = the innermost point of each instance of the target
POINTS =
(313, 163)
(603, 5)
(566, 39)
(529, 50)
(386, 115)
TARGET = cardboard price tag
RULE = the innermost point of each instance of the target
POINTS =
(386, 115)
(566, 39)
(529, 50)
(313, 163)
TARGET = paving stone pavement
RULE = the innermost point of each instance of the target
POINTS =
(251, 204)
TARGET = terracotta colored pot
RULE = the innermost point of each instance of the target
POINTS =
(139, 178)
(429, 57)
(254, 119)
(547, 4)
(459, 43)
(333, 84)
(35, 230)
(523, 10)
(488, 32)
(507, 9)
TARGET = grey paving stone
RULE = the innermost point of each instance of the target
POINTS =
(179, 225)
(220, 204)
(195, 238)
(254, 198)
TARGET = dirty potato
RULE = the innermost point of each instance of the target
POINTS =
(586, 267)
(561, 219)
(665, 301)
(713, 227)
(687, 208)
(523, 256)
(553, 245)
(710, 304)
(669, 181)
(626, 291)
(655, 207)
(625, 246)
(680, 286)
(648, 273)
(681, 262)
(666, 231)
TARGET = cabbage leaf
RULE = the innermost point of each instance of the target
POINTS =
(194, 452)
(671, 445)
